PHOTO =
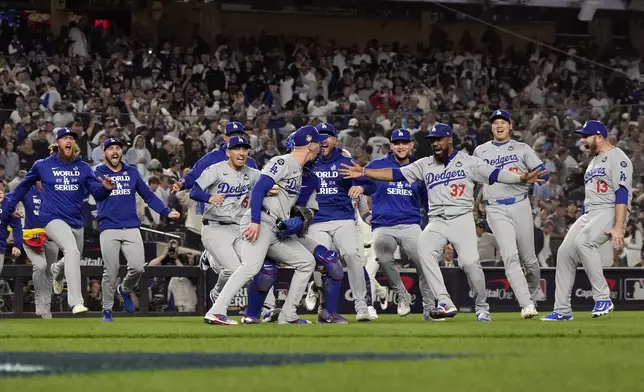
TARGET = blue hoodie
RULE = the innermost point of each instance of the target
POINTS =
(63, 189)
(333, 198)
(118, 211)
(32, 202)
(7, 219)
(396, 203)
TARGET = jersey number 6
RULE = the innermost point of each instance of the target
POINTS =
(457, 190)
(602, 186)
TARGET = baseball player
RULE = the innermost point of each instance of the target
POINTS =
(334, 222)
(509, 213)
(65, 179)
(119, 226)
(608, 188)
(259, 228)
(225, 189)
(449, 177)
(8, 220)
(395, 221)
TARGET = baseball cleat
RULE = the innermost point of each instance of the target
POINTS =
(45, 316)
(249, 320)
(382, 295)
(427, 317)
(443, 311)
(363, 315)
(58, 283)
(312, 296)
(324, 317)
(296, 321)
(483, 317)
(404, 304)
(218, 319)
(270, 315)
(555, 316)
(80, 308)
(372, 313)
(106, 316)
(602, 307)
(128, 303)
(529, 311)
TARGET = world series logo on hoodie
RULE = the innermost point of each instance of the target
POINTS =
(66, 180)
(121, 185)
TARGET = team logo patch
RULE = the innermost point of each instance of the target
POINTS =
(309, 138)
(623, 164)
(510, 148)
(604, 159)
(280, 161)
(245, 176)
(459, 164)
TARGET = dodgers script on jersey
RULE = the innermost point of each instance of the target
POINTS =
(234, 185)
(604, 175)
(450, 189)
(287, 174)
(513, 156)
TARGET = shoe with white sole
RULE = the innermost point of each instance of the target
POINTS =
(483, 317)
(249, 320)
(270, 315)
(312, 297)
(404, 304)
(58, 281)
(80, 308)
(427, 317)
(602, 307)
(443, 311)
(555, 316)
(218, 319)
(372, 313)
(529, 311)
(363, 315)
(382, 295)
(296, 321)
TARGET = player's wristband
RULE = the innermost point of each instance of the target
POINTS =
(366, 215)
(364, 171)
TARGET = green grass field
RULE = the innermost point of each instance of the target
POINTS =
(514, 355)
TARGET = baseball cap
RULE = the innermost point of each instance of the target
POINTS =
(307, 134)
(439, 130)
(236, 141)
(400, 134)
(60, 132)
(353, 122)
(234, 127)
(110, 141)
(502, 114)
(326, 128)
(593, 127)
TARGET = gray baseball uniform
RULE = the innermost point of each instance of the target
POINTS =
(42, 276)
(606, 173)
(70, 241)
(450, 190)
(509, 215)
(286, 172)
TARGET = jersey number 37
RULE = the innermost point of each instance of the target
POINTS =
(457, 190)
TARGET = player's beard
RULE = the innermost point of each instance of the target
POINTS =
(591, 145)
(115, 160)
(442, 157)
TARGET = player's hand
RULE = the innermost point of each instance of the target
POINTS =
(174, 214)
(252, 232)
(216, 200)
(107, 182)
(16, 252)
(534, 176)
(177, 186)
(350, 171)
(617, 237)
(355, 191)
(274, 190)
(19, 214)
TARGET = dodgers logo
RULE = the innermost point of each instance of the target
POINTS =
(594, 173)
(233, 190)
(501, 161)
(433, 179)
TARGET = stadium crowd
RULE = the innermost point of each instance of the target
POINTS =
(170, 103)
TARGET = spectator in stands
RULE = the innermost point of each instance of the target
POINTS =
(487, 247)
(449, 259)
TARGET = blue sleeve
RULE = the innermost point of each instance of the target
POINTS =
(25, 185)
(544, 177)
(251, 163)
(95, 188)
(191, 178)
(367, 184)
(262, 186)
(198, 194)
(16, 225)
(494, 176)
(149, 197)
(397, 175)
(621, 196)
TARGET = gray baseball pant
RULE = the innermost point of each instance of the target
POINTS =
(513, 228)
(385, 242)
(288, 251)
(42, 276)
(70, 241)
(581, 244)
(342, 234)
(461, 233)
(113, 241)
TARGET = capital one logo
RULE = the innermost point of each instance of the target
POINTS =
(588, 293)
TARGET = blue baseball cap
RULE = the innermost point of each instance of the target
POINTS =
(439, 130)
(400, 134)
(593, 127)
(307, 134)
(502, 114)
(290, 143)
(237, 141)
(235, 127)
(110, 141)
(60, 132)
(326, 128)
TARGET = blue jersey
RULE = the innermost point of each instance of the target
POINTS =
(333, 196)
(310, 184)
(32, 201)
(205, 162)
(8, 220)
(118, 211)
(396, 203)
(64, 185)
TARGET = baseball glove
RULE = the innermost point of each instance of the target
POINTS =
(307, 216)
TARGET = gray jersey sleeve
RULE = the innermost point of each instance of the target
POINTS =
(276, 168)
(286, 172)
(480, 170)
(530, 157)
(208, 177)
(312, 203)
(622, 172)
(253, 175)
(415, 171)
